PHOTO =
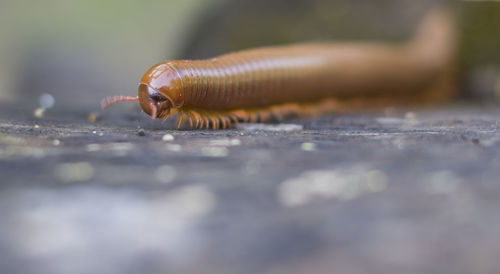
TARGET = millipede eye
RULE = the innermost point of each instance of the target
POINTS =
(158, 98)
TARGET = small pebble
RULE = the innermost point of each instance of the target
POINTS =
(141, 132)
(93, 117)
(168, 137)
(39, 112)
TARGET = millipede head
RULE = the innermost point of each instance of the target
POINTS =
(153, 103)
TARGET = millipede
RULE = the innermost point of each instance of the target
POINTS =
(262, 84)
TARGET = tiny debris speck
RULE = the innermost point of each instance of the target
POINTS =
(141, 132)
(167, 137)
(39, 112)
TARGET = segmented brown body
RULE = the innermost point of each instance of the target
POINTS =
(301, 73)
(255, 85)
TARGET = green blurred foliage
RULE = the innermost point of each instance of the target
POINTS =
(82, 50)
(239, 24)
(107, 44)
(480, 28)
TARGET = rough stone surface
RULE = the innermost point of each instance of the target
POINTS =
(394, 191)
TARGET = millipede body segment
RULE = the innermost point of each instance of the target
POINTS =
(308, 79)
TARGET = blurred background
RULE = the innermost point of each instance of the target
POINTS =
(80, 51)
(396, 191)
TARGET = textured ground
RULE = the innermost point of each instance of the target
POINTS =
(396, 191)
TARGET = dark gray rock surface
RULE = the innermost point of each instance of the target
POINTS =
(395, 191)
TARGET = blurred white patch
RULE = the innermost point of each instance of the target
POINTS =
(165, 174)
(46, 100)
(225, 142)
(399, 243)
(215, 151)
(59, 226)
(389, 120)
(410, 116)
(74, 172)
(43, 237)
(118, 149)
(343, 184)
(489, 142)
(120, 146)
(22, 151)
(401, 142)
(376, 181)
(191, 201)
(251, 167)
(308, 146)
(174, 147)
(93, 147)
(269, 127)
(442, 182)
